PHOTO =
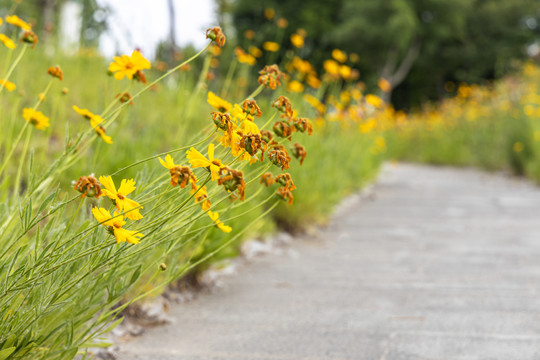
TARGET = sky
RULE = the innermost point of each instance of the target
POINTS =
(143, 23)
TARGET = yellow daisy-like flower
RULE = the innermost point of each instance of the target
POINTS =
(249, 127)
(168, 162)
(7, 41)
(220, 225)
(271, 46)
(119, 197)
(345, 72)
(255, 51)
(313, 81)
(8, 85)
(238, 113)
(232, 140)
(244, 57)
(218, 103)
(100, 130)
(339, 55)
(116, 226)
(374, 100)
(180, 175)
(297, 40)
(331, 67)
(127, 66)
(15, 20)
(95, 120)
(36, 118)
(201, 196)
(196, 159)
(295, 86)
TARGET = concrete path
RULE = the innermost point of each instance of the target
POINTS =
(439, 264)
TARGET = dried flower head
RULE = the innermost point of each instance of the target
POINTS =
(216, 35)
(283, 129)
(56, 71)
(270, 76)
(180, 175)
(266, 136)
(284, 105)
(303, 125)
(285, 194)
(251, 107)
(279, 156)
(299, 152)
(233, 180)
(30, 38)
(223, 121)
(88, 186)
(125, 98)
(267, 179)
(285, 180)
(252, 143)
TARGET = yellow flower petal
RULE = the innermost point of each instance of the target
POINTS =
(103, 216)
(126, 187)
(7, 41)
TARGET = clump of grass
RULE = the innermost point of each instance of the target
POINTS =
(493, 127)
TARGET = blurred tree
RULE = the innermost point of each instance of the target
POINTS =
(417, 45)
(44, 15)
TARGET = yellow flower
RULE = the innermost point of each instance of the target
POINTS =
(119, 197)
(297, 40)
(249, 34)
(244, 57)
(313, 81)
(271, 46)
(220, 225)
(374, 100)
(127, 66)
(15, 20)
(196, 159)
(295, 86)
(116, 226)
(339, 55)
(255, 51)
(95, 120)
(201, 196)
(7, 41)
(313, 101)
(168, 163)
(179, 174)
(249, 127)
(384, 85)
(8, 85)
(36, 118)
(269, 13)
(345, 71)
(518, 147)
(282, 23)
(331, 67)
(100, 130)
(218, 103)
